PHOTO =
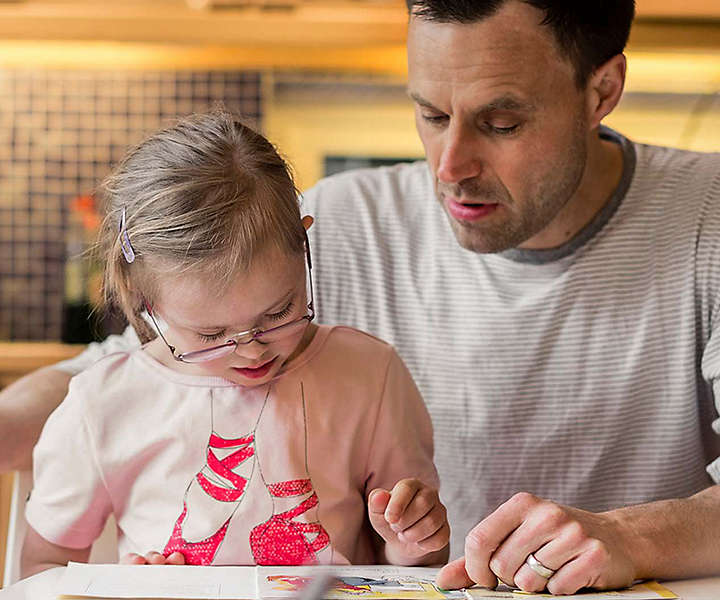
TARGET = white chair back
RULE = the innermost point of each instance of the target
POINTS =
(104, 549)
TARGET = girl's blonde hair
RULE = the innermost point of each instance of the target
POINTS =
(204, 196)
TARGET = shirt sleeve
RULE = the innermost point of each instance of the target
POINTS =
(125, 342)
(402, 444)
(69, 503)
(708, 257)
(711, 373)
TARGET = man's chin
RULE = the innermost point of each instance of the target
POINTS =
(480, 242)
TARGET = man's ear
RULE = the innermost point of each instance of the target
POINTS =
(605, 88)
(307, 222)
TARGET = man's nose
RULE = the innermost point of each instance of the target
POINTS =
(461, 156)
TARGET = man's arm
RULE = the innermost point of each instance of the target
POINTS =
(24, 407)
(40, 555)
(26, 404)
(674, 539)
(668, 539)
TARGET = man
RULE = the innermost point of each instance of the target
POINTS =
(553, 288)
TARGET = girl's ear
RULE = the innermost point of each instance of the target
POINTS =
(307, 222)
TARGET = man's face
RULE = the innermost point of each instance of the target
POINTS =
(503, 124)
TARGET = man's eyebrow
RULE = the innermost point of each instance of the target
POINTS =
(507, 103)
(501, 103)
(420, 100)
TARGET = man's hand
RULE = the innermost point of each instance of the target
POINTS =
(584, 549)
(412, 521)
(153, 558)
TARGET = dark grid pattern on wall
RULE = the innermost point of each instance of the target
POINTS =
(60, 132)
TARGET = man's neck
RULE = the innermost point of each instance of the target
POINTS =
(601, 178)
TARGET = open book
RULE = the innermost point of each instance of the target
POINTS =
(248, 583)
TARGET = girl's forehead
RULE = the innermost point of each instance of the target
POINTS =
(196, 299)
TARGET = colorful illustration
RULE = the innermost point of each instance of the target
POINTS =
(356, 586)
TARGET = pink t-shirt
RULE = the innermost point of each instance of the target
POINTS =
(276, 474)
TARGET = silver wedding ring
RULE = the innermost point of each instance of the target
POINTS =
(538, 567)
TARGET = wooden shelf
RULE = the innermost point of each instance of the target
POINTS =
(264, 23)
(19, 358)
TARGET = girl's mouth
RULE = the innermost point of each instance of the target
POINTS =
(256, 372)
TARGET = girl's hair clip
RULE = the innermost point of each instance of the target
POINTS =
(125, 244)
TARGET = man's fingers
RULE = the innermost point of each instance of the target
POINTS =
(552, 555)
(547, 526)
(574, 575)
(487, 536)
(453, 576)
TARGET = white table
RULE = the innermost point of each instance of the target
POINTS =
(43, 586)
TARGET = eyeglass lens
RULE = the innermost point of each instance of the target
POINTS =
(266, 337)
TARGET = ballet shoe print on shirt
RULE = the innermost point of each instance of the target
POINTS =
(202, 552)
(293, 534)
(283, 541)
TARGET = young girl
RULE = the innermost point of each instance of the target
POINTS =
(242, 433)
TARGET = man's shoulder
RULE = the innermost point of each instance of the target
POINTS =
(377, 189)
(113, 372)
(667, 168)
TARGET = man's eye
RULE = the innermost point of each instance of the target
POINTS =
(504, 130)
(434, 119)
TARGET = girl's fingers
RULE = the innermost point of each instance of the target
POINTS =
(426, 526)
(176, 558)
(155, 558)
(400, 497)
(421, 505)
(132, 559)
(438, 540)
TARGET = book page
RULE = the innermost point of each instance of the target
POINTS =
(413, 583)
(158, 581)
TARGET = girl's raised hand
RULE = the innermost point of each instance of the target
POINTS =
(412, 521)
(153, 558)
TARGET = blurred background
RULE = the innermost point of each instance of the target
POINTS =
(80, 80)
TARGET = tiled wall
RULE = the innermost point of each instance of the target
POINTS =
(60, 131)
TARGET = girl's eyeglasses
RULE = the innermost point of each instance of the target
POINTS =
(264, 336)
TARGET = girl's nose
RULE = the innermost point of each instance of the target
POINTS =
(251, 351)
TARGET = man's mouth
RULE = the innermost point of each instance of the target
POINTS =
(463, 210)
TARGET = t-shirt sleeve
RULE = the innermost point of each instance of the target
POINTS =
(402, 443)
(708, 257)
(125, 342)
(69, 503)
(711, 373)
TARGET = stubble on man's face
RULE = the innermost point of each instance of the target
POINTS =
(462, 73)
(552, 192)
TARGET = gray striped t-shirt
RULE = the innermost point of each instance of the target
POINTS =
(583, 374)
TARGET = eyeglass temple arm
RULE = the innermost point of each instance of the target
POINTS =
(149, 310)
(309, 264)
